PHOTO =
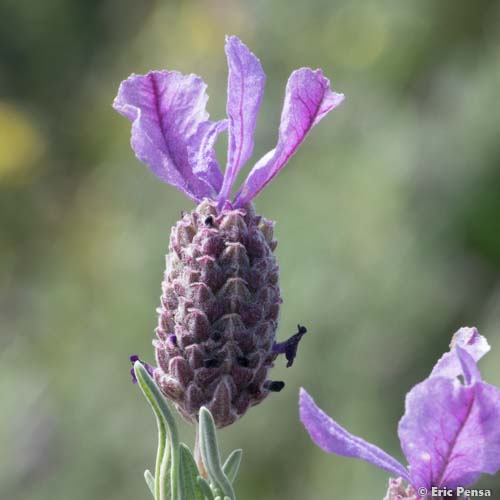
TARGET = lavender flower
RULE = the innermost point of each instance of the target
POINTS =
(450, 432)
(221, 297)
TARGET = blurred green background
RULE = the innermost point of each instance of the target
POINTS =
(388, 227)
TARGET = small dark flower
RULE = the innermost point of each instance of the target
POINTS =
(148, 367)
(221, 297)
(274, 385)
(289, 347)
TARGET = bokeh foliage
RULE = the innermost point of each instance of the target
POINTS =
(388, 227)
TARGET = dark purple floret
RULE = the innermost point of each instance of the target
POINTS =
(211, 363)
(243, 361)
(274, 385)
(133, 359)
(289, 347)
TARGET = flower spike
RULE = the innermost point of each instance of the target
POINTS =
(220, 302)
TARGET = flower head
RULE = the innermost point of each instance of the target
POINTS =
(220, 295)
(450, 432)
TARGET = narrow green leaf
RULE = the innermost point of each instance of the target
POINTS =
(210, 453)
(150, 481)
(205, 487)
(167, 464)
(188, 476)
(165, 471)
(139, 370)
(232, 464)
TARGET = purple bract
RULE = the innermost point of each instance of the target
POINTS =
(450, 432)
(172, 135)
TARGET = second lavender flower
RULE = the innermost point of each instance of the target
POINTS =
(450, 432)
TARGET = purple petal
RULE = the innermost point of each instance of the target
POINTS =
(468, 339)
(167, 109)
(202, 153)
(331, 437)
(450, 433)
(245, 89)
(308, 99)
(470, 370)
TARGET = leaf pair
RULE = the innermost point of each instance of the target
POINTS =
(176, 474)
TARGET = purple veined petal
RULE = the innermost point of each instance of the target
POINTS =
(245, 89)
(308, 99)
(333, 438)
(202, 153)
(470, 370)
(468, 339)
(166, 109)
(450, 433)
(487, 420)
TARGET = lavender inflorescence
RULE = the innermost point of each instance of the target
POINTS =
(220, 299)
